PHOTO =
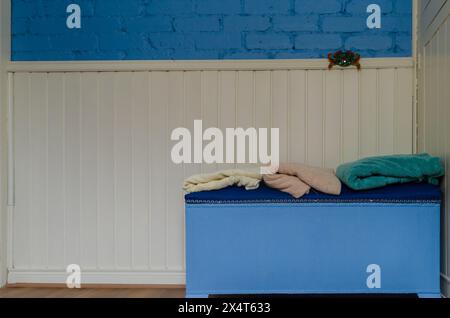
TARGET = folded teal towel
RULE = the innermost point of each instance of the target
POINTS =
(377, 172)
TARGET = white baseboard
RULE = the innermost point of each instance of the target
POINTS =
(445, 285)
(99, 278)
(2, 275)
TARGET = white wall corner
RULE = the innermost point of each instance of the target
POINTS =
(416, 56)
(5, 46)
(445, 286)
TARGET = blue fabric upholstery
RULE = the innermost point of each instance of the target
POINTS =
(403, 193)
(309, 248)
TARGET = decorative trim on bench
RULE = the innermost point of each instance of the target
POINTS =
(294, 201)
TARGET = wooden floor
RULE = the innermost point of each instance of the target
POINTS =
(91, 293)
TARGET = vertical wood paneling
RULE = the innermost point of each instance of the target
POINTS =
(227, 106)
(369, 113)
(22, 217)
(434, 110)
(432, 132)
(38, 172)
(442, 122)
(123, 103)
(140, 171)
(386, 111)
(56, 179)
(447, 144)
(95, 183)
(332, 123)
(297, 116)
(404, 115)
(350, 117)
(314, 118)
(175, 176)
(192, 110)
(245, 103)
(263, 99)
(106, 174)
(280, 109)
(441, 86)
(159, 163)
(210, 99)
(72, 123)
(89, 177)
(423, 119)
(245, 114)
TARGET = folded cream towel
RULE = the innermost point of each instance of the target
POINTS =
(221, 180)
(323, 180)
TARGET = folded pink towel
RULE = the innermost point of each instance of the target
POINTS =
(289, 184)
(297, 179)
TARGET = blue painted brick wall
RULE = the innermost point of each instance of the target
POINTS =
(207, 29)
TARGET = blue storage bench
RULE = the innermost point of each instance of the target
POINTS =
(382, 241)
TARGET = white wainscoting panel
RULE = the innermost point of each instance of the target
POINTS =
(94, 182)
(4, 145)
(434, 106)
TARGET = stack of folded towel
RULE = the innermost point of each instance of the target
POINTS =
(223, 179)
(299, 179)
(295, 179)
(377, 172)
